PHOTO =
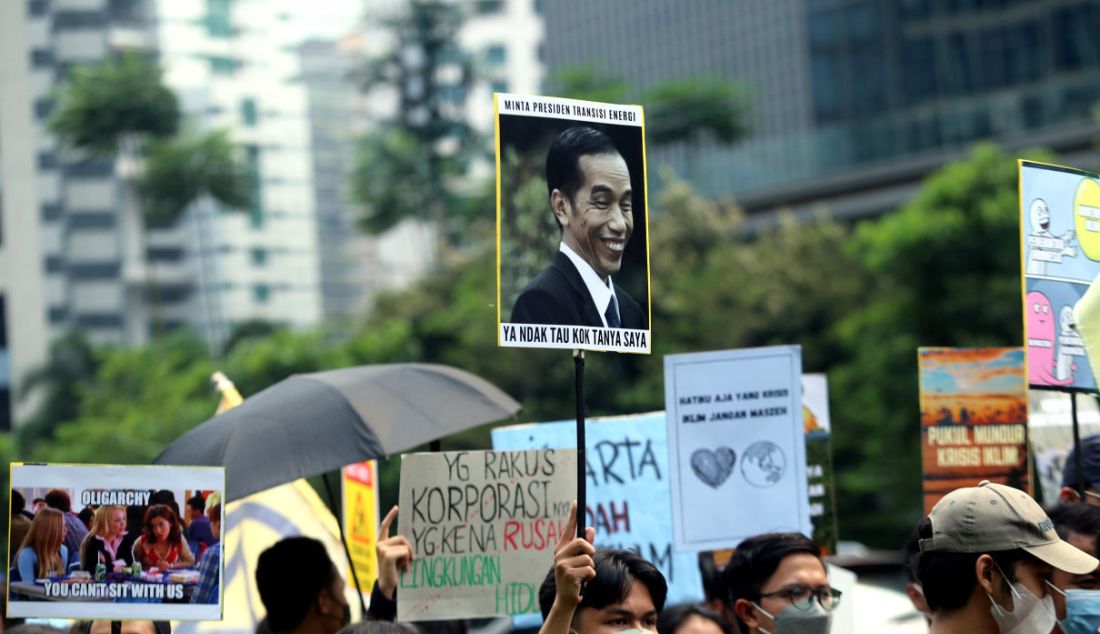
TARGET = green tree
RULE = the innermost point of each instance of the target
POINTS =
(412, 165)
(181, 170)
(588, 82)
(946, 272)
(696, 110)
(71, 363)
(100, 104)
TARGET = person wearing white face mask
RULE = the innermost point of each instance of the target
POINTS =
(1077, 597)
(987, 555)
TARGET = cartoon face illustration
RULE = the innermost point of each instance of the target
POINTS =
(1039, 214)
(1041, 338)
(1065, 321)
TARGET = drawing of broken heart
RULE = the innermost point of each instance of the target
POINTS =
(713, 467)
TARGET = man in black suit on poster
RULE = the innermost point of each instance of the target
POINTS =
(590, 194)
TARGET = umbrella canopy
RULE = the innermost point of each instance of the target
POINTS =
(313, 423)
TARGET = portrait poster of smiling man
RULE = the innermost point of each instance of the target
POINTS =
(572, 225)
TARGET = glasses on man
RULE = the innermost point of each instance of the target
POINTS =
(802, 597)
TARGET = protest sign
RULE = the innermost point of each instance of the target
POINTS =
(973, 412)
(361, 519)
(737, 448)
(483, 525)
(819, 459)
(94, 583)
(1060, 251)
(628, 488)
(560, 241)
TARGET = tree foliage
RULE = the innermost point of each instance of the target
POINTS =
(101, 103)
(694, 110)
(181, 170)
(410, 165)
(945, 271)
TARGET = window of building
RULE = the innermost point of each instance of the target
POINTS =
(261, 293)
(496, 55)
(249, 113)
(222, 65)
(486, 7)
(217, 19)
(259, 256)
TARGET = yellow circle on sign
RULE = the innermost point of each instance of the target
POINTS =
(1086, 213)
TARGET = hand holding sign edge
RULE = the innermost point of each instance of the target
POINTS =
(573, 565)
(395, 555)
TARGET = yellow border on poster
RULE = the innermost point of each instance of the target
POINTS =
(496, 145)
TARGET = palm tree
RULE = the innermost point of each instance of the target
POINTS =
(121, 108)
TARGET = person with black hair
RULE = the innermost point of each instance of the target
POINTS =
(121, 627)
(198, 525)
(621, 590)
(913, 588)
(987, 556)
(777, 583)
(301, 588)
(1089, 478)
(588, 182)
(691, 619)
(1077, 600)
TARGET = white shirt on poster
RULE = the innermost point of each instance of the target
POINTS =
(601, 293)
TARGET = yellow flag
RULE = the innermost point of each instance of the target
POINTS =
(230, 396)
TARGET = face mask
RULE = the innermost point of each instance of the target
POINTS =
(1030, 614)
(1082, 612)
(813, 620)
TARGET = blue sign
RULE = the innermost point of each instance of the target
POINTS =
(628, 498)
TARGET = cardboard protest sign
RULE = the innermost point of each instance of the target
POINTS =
(973, 413)
(483, 525)
(737, 448)
(119, 571)
(572, 225)
(819, 459)
(1060, 251)
(361, 519)
(628, 488)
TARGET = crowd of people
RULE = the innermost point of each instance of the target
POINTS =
(988, 559)
(51, 540)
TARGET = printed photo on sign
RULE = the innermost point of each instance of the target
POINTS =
(483, 525)
(573, 240)
(973, 412)
(113, 542)
(737, 445)
(1060, 251)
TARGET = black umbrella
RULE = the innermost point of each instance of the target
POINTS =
(314, 423)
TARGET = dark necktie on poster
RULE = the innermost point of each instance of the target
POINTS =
(612, 314)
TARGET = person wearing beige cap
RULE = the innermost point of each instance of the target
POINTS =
(987, 554)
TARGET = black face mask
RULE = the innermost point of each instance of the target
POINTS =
(347, 615)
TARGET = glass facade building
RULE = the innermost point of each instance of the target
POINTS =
(837, 86)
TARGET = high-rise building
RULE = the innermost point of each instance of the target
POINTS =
(853, 100)
(235, 66)
(69, 257)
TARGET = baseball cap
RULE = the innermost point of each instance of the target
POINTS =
(994, 517)
(1090, 463)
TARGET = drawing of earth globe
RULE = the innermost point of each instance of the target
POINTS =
(763, 464)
